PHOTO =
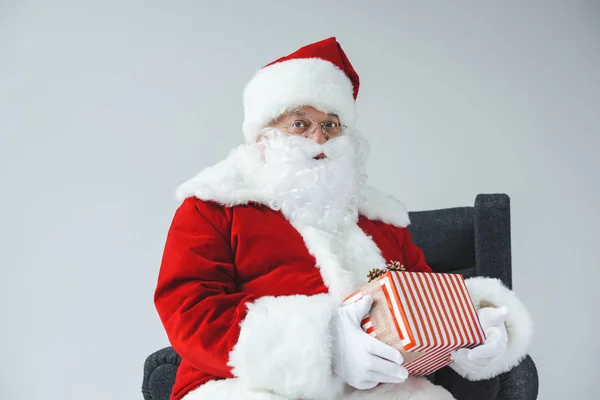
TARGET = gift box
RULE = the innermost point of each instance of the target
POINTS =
(424, 315)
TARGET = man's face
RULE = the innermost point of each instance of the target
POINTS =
(312, 177)
(310, 123)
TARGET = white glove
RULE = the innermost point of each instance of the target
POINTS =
(360, 359)
(474, 361)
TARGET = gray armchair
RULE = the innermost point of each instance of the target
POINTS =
(473, 241)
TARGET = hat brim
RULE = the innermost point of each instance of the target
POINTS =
(296, 83)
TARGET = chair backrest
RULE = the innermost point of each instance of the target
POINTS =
(473, 241)
(446, 237)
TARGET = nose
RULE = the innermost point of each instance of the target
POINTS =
(318, 135)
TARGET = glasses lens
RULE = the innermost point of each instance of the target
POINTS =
(300, 127)
(305, 127)
(333, 128)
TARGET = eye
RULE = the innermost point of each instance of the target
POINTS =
(299, 124)
(332, 124)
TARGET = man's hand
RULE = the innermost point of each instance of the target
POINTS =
(475, 360)
(360, 359)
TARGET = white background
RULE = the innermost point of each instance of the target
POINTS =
(106, 106)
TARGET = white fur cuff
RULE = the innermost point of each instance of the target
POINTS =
(491, 292)
(285, 347)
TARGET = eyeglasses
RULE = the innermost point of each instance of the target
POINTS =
(302, 125)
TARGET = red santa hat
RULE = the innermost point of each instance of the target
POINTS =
(318, 75)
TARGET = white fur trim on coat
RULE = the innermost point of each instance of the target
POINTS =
(229, 389)
(412, 389)
(285, 347)
(491, 292)
(344, 258)
(232, 182)
(299, 82)
(384, 207)
(415, 388)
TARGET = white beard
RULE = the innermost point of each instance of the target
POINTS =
(323, 193)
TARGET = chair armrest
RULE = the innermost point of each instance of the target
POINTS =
(160, 369)
(520, 383)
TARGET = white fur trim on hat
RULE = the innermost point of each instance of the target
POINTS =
(298, 82)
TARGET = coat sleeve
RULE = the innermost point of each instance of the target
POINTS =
(196, 296)
(276, 344)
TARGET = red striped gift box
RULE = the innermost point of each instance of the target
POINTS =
(424, 315)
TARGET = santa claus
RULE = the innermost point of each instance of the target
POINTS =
(267, 243)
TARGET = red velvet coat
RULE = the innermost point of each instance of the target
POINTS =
(217, 259)
(246, 297)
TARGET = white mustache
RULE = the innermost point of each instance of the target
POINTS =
(305, 148)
